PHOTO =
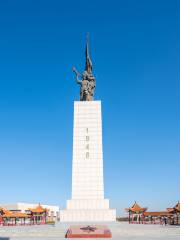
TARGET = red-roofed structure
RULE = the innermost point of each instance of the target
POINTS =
(35, 215)
(136, 213)
(175, 211)
(38, 214)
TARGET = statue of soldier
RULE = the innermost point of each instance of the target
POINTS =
(84, 83)
(92, 85)
(87, 81)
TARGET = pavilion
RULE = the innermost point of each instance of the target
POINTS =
(136, 213)
(38, 214)
(175, 211)
(10, 218)
(33, 216)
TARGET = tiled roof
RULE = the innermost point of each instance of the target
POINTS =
(9, 214)
(38, 209)
(156, 214)
(175, 209)
(136, 208)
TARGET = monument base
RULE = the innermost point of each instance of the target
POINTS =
(74, 204)
(88, 215)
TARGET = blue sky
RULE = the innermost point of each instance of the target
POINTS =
(136, 54)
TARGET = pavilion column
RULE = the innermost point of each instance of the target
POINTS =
(177, 219)
(142, 218)
(45, 217)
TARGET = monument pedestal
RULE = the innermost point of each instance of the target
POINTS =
(87, 215)
(87, 203)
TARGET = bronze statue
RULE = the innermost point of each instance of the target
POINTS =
(86, 80)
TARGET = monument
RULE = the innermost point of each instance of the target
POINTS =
(87, 203)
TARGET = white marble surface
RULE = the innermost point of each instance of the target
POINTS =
(120, 231)
(87, 173)
(87, 202)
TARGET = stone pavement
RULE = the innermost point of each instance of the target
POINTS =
(120, 231)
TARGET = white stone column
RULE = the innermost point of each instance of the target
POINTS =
(87, 177)
(87, 203)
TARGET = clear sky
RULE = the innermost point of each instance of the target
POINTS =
(135, 49)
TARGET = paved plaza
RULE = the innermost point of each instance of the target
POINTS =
(122, 231)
